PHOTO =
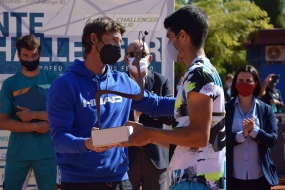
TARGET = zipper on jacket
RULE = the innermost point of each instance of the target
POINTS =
(96, 81)
(107, 76)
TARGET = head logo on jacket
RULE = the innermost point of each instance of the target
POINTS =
(103, 101)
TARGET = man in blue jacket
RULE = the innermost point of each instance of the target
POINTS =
(72, 111)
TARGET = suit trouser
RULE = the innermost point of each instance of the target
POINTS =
(120, 185)
(255, 184)
(142, 171)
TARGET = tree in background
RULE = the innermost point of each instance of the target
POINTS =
(231, 24)
(275, 10)
(179, 3)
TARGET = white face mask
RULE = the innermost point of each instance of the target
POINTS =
(172, 51)
(178, 86)
(143, 64)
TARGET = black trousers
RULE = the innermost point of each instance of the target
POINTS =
(255, 184)
(121, 185)
(143, 173)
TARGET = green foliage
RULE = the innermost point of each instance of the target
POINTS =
(179, 4)
(231, 24)
(275, 10)
(180, 69)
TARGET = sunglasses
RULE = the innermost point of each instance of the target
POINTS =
(144, 54)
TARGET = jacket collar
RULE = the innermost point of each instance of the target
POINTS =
(237, 101)
(149, 79)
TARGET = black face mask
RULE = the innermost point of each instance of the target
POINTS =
(30, 65)
(109, 53)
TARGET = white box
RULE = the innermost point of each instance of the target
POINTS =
(110, 136)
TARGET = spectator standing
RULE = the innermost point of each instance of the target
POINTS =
(227, 87)
(270, 95)
(147, 164)
(23, 112)
(251, 131)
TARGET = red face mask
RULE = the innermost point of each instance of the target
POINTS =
(245, 89)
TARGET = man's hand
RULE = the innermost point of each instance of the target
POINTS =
(42, 127)
(139, 137)
(25, 114)
(268, 78)
(264, 84)
(278, 103)
(138, 113)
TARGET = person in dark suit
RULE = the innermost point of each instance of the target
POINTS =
(271, 95)
(147, 164)
(227, 87)
(251, 131)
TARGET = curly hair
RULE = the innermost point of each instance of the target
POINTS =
(29, 42)
(99, 26)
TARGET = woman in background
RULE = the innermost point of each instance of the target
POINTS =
(251, 131)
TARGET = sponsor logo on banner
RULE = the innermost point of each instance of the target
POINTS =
(3, 157)
(4, 138)
(59, 26)
(2, 170)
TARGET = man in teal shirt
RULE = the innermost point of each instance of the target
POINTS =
(23, 112)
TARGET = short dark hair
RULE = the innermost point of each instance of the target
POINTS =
(99, 26)
(229, 76)
(29, 42)
(253, 71)
(192, 20)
